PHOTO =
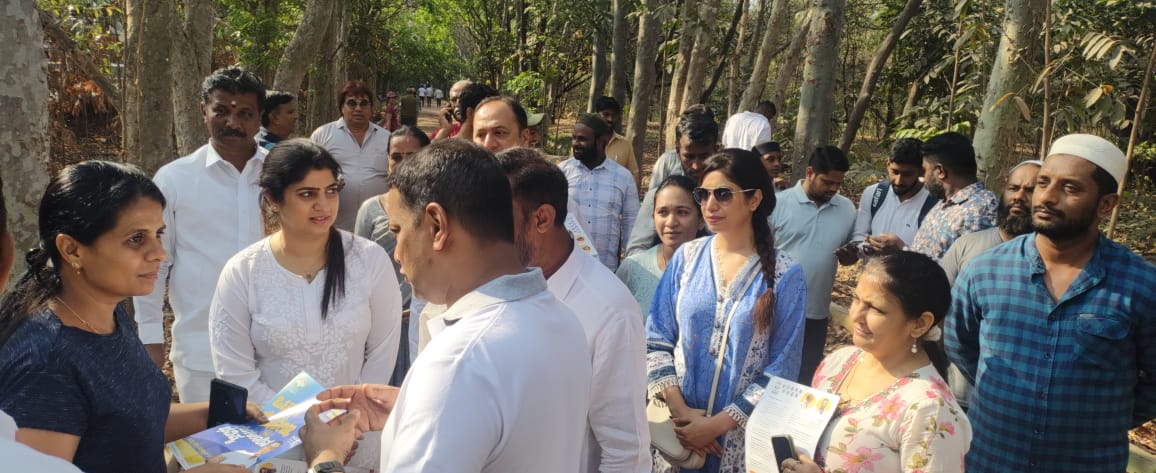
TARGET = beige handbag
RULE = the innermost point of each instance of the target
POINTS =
(662, 436)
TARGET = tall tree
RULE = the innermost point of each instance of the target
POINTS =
(774, 34)
(1004, 121)
(794, 57)
(192, 59)
(703, 45)
(649, 31)
(305, 45)
(725, 50)
(24, 129)
(150, 78)
(817, 96)
(599, 69)
(328, 74)
(620, 65)
(689, 19)
(874, 70)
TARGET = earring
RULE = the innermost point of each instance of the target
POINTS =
(915, 346)
(275, 209)
(76, 266)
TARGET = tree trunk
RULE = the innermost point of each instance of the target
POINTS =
(1002, 126)
(780, 14)
(130, 98)
(874, 70)
(599, 73)
(326, 79)
(192, 58)
(154, 88)
(306, 43)
(817, 96)
(736, 64)
(619, 68)
(649, 28)
(703, 43)
(24, 129)
(790, 67)
(63, 40)
(689, 18)
(724, 50)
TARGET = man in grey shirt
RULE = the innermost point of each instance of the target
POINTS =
(1013, 218)
(697, 138)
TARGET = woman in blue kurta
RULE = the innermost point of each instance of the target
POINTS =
(737, 268)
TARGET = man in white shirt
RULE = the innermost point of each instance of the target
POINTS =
(505, 384)
(891, 211)
(421, 93)
(746, 129)
(604, 190)
(212, 212)
(618, 439)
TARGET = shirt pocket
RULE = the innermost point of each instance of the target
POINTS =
(1100, 340)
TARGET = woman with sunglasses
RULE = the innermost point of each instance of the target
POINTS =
(73, 373)
(360, 146)
(308, 297)
(678, 219)
(730, 294)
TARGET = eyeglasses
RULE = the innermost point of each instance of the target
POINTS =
(357, 103)
(721, 194)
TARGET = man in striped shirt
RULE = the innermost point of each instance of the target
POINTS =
(1056, 328)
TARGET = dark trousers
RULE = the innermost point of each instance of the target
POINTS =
(814, 339)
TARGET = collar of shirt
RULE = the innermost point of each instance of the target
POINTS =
(582, 166)
(800, 196)
(510, 287)
(964, 194)
(563, 279)
(212, 157)
(1090, 275)
(373, 127)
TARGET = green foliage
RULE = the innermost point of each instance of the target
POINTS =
(95, 25)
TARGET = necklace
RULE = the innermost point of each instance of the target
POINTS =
(662, 260)
(308, 275)
(74, 314)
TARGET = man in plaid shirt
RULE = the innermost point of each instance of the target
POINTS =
(1057, 329)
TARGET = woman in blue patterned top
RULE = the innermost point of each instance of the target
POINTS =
(735, 272)
(73, 373)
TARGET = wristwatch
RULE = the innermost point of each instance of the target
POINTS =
(327, 467)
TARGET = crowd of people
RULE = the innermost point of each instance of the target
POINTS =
(477, 305)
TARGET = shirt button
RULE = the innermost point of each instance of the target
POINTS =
(1040, 395)
(713, 352)
(1037, 431)
(1047, 356)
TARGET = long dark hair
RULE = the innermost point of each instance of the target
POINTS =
(921, 286)
(83, 201)
(745, 168)
(287, 164)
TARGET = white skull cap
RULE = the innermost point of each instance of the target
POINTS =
(1094, 149)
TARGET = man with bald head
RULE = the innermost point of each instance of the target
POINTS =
(604, 190)
(448, 125)
(1055, 327)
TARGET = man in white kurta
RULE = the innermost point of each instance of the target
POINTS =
(618, 438)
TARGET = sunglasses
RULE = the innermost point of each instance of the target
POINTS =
(722, 195)
(356, 103)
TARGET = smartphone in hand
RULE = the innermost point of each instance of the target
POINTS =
(226, 403)
(784, 448)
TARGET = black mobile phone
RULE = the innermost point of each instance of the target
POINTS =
(226, 403)
(784, 448)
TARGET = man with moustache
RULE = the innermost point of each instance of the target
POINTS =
(618, 148)
(1013, 218)
(448, 124)
(1055, 328)
(965, 206)
(891, 211)
(811, 221)
(360, 146)
(604, 190)
(618, 437)
(211, 214)
(696, 138)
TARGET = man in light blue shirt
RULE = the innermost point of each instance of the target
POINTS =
(813, 222)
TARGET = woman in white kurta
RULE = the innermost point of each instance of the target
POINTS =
(308, 297)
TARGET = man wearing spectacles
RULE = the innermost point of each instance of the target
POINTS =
(360, 146)
(812, 222)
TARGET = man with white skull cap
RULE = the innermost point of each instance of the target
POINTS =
(1055, 328)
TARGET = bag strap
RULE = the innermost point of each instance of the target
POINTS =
(877, 198)
(927, 205)
(723, 346)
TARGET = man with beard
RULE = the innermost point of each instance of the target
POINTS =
(618, 437)
(211, 214)
(604, 190)
(965, 206)
(696, 136)
(891, 211)
(1013, 218)
(811, 222)
(618, 149)
(1055, 328)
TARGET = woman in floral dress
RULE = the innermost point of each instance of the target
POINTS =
(896, 412)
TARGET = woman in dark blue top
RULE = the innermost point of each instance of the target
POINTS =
(73, 374)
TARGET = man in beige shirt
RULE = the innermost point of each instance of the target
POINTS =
(619, 148)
